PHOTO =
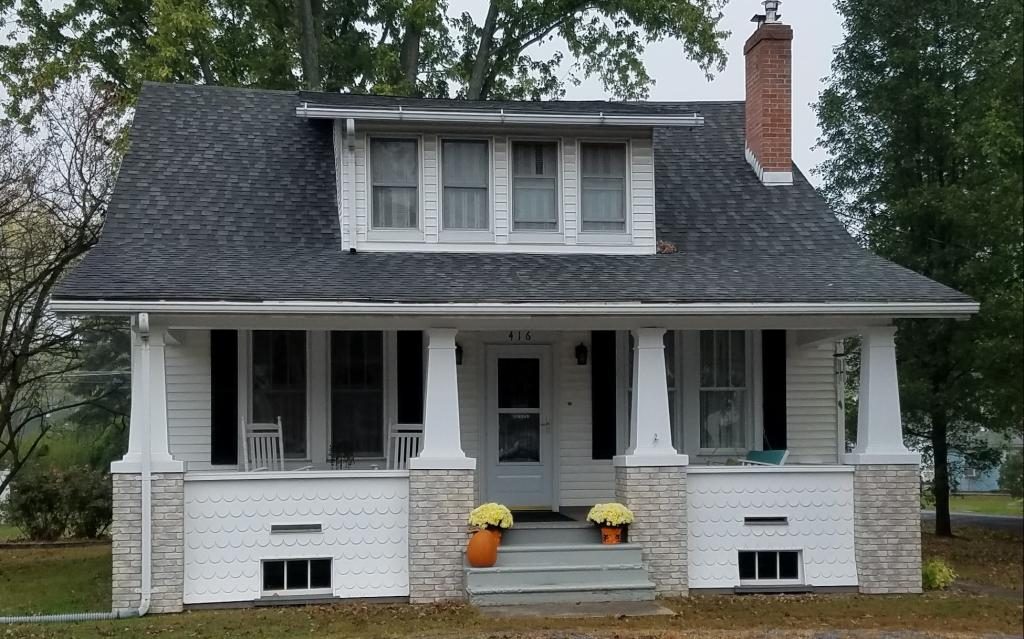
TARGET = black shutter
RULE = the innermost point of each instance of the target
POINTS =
(773, 367)
(602, 394)
(409, 377)
(224, 397)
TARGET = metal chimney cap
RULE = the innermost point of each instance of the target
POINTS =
(771, 12)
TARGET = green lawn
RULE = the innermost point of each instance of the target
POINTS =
(49, 580)
(8, 533)
(52, 580)
(986, 504)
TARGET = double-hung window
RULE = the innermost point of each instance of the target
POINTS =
(724, 390)
(603, 187)
(535, 186)
(357, 393)
(279, 385)
(464, 177)
(394, 173)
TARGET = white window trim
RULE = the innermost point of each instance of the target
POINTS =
(390, 407)
(625, 236)
(246, 398)
(466, 235)
(537, 236)
(773, 582)
(396, 234)
(296, 592)
(690, 357)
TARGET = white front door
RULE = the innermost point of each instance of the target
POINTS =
(519, 451)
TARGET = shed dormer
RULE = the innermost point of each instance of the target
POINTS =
(447, 175)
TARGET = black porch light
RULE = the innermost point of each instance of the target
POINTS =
(581, 354)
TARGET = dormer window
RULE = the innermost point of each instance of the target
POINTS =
(535, 186)
(603, 187)
(394, 174)
(465, 204)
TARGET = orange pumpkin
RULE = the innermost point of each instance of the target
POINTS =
(482, 550)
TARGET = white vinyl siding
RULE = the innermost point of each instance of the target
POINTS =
(641, 191)
(812, 409)
(188, 398)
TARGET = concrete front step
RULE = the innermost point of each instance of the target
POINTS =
(555, 555)
(561, 576)
(551, 533)
(593, 592)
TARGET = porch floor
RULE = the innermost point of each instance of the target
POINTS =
(548, 516)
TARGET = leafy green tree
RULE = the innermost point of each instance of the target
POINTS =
(1011, 474)
(406, 47)
(922, 120)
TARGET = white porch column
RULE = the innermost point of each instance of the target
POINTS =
(879, 426)
(650, 424)
(147, 425)
(442, 436)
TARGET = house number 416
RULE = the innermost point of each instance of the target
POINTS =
(519, 336)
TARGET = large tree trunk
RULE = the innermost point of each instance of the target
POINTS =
(309, 45)
(483, 54)
(940, 483)
(410, 56)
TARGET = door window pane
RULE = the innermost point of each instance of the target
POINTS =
(535, 186)
(723, 389)
(518, 437)
(464, 172)
(357, 393)
(519, 383)
(279, 385)
(603, 187)
(394, 171)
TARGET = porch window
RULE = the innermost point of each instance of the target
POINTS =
(464, 176)
(394, 172)
(279, 385)
(535, 186)
(603, 187)
(723, 389)
(357, 393)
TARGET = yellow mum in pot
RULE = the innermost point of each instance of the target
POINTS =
(491, 515)
(611, 515)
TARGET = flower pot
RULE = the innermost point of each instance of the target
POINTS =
(611, 535)
(482, 549)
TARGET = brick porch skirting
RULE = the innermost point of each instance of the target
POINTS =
(657, 497)
(887, 528)
(439, 505)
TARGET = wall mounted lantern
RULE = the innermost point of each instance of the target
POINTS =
(581, 354)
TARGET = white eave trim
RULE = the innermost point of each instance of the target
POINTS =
(500, 116)
(884, 309)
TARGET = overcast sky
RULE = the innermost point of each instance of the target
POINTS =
(816, 30)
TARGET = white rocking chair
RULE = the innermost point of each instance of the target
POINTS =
(263, 445)
(404, 443)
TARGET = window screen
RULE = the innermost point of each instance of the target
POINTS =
(464, 174)
(603, 187)
(279, 385)
(535, 186)
(394, 171)
(723, 389)
(357, 393)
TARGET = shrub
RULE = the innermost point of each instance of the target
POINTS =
(49, 503)
(1011, 475)
(937, 575)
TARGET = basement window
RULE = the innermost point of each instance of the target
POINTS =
(297, 577)
(759, 567)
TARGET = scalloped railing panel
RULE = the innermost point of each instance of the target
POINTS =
(818, 507)
(364, 524)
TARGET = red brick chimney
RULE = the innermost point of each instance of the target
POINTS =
(769, 52)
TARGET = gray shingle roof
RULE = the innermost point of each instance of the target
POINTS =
(226, 195)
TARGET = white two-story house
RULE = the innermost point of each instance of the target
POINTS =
(545, 304)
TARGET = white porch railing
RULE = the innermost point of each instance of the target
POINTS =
(811, 511)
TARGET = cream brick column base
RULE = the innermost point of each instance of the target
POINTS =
(657, 497)
(168, 535)
(439, 504)
(887, 528)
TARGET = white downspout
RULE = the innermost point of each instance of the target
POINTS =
(147, 475)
